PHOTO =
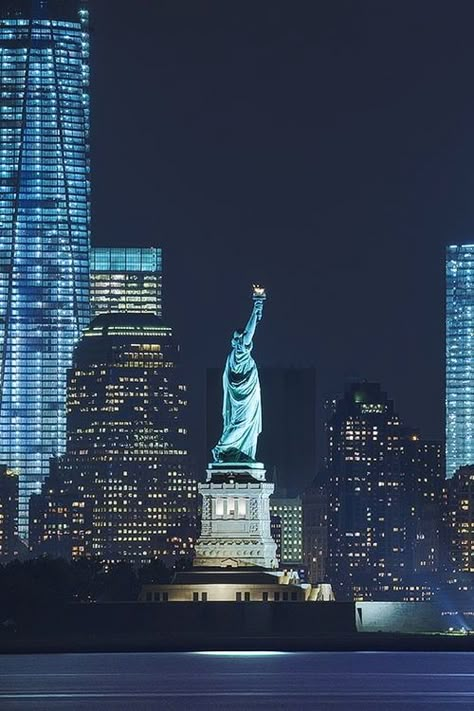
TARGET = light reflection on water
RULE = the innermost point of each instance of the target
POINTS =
(231, 681)
(242, 654)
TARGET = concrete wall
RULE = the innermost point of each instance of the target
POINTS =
(196, 624)
(224, 593)
(401, 617)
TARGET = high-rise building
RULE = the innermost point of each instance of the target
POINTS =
(315, 530)
(126, 279)
(457, 592)
(8, 512)
(287, 445)
(123, 490)
(61, 517)
(459, 357)
(276, 533)
(383, 482)
(460, 519)
(424, 470)
(44, 226)
(286, 517)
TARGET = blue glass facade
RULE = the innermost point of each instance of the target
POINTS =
(126, 279)
(44, 227)
(459, 357)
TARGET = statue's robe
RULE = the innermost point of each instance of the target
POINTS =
(242, 408)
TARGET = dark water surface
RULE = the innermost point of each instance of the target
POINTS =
(350, 681)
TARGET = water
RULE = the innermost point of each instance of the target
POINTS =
(229, 681)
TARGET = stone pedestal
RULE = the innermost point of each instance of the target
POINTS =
(235, 529)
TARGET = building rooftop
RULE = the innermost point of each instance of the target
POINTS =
(229, 576)
(126, 323)
(67, 10)
(126, 259)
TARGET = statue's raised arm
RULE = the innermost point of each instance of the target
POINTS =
(242, 408)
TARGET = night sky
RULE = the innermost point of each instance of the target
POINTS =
(325, 149)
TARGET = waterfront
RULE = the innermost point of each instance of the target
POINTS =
(230, 681)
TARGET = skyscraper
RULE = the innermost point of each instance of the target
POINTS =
(315, 529)
(126, 279)
(460, 518)
(459, 357)
(383, 482)
(288, 514)
(123, 490)
(44, 226)
(424, 473)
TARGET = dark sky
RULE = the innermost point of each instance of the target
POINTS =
(325, 149)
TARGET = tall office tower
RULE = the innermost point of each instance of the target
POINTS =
(124, 484)
(375, 496)
(315, 530)
(287, 444)
(126, 279)
(424, 472)
(460, 519)
(459, 357)
(44, 226)
(8, 513)
(287, 522)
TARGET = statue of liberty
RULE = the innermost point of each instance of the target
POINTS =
(242, 407)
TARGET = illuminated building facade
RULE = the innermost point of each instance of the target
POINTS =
(44, 227)
(459, 357)
(124, 484)
(8, 512)
(384, 492)
(460, 519)
(126, 279)
(424, 472)
(286, 520)
(61, 517)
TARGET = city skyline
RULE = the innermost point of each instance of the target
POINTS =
(236, 348)
(412, 385)
(124, 278)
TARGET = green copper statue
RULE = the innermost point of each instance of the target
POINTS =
(242, 407)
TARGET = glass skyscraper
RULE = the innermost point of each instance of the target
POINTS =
(44, 226)
(126, 279)
(459, 357)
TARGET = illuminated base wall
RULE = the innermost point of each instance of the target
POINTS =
(235, 529)
(231, 585)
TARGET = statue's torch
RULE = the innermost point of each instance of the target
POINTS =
(259, 295)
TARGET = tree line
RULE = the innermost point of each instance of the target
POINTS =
(48, 582)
